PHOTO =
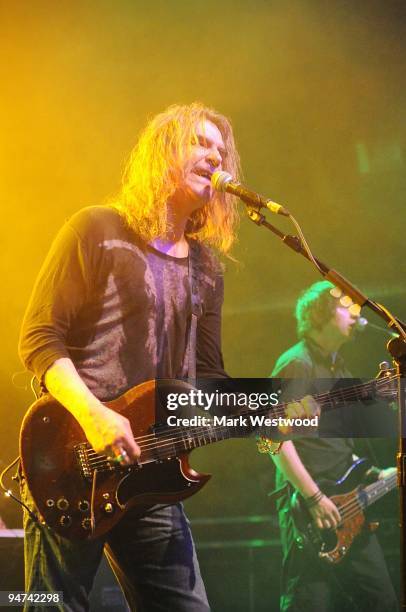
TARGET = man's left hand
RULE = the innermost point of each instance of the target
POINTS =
(305, 408)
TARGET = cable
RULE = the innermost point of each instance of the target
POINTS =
(305, 244)
(8, 492)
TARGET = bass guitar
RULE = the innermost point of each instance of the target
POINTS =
(351, 499)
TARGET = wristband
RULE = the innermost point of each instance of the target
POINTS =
(314, 499)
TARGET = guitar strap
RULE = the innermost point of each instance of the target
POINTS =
(196, 304)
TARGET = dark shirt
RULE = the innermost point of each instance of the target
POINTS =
(307, 360)
(119, 308)
(326, 457)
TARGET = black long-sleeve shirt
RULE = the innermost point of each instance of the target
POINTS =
(119, 308)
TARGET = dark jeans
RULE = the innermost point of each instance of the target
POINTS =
(152, 555)
(360, 583)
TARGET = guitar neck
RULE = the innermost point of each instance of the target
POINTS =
(174, 441)
(169, 442)
(378, 387)
(202, 436)
(361, 392)
(370, 494)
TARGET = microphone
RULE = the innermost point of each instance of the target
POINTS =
(360, 324)
(223, 181)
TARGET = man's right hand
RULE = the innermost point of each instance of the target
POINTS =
(110, 433)
(107, 431)
(325, 513)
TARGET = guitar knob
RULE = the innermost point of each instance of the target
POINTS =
(300, 542)
(83, 505)
(65, 520)
(108, 508)
(87, 524)
(62, 503)
(50, 503)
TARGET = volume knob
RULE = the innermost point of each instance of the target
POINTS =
(87, 523)
(65, 520)
(62, 503)
(83, 505)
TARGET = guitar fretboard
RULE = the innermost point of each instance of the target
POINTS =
(370, 494)
(171, 442)
(167, 442)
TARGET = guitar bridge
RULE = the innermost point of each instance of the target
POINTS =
(88, 460)
(82, 457)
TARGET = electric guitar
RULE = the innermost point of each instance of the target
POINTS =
(351, 499)
(81, 494)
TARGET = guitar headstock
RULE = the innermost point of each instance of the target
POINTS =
(387, 382)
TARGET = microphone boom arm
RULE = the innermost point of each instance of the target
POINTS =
(294, 243)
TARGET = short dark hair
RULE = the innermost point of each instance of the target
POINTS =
(314, 308)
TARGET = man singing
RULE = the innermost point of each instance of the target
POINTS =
(360, 582)
(111, 308)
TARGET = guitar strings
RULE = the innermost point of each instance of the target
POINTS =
(345, 394)
(277, 411)
(384, 483)
(353, 507)
(183, 435)
(152, 442)
(161, 448)
(323, 399)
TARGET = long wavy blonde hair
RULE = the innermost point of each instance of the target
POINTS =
(156, 167)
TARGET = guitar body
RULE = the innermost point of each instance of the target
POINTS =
(81, 502)
(333, 544)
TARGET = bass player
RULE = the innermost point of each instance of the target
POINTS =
(361, 580)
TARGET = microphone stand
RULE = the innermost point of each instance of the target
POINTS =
(396, 347)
